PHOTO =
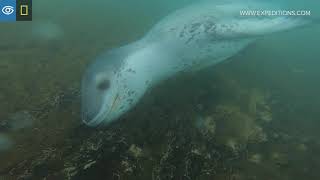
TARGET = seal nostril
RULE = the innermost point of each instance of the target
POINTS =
(103, 85)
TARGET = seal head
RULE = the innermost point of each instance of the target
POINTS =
(98, 86)
(111, 85)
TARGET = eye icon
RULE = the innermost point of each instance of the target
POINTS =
(7, 10)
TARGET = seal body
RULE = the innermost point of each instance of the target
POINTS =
(190, 39)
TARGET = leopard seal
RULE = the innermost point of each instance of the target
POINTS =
(197, 36)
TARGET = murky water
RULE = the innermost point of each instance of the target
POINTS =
(254, 116)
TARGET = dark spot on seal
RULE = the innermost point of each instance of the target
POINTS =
(103, 85)
(131, 70)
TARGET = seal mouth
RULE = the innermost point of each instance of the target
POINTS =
(102, 115)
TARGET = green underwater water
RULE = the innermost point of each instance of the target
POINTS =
(270, 89)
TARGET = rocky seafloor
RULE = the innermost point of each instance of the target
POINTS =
(222, 131)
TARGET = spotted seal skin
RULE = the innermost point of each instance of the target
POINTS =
(190, 39)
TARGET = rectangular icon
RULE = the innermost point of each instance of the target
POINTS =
(7, 10)
(24, 10)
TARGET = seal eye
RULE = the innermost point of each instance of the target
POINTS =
(103, 85)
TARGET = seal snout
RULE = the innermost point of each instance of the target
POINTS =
(96, 86)
(94, 101)
(97, 115)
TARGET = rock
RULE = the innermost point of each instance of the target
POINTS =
(255, 158)
(206, 125)
(135, 151)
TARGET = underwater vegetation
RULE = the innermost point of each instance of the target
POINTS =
(212, 140)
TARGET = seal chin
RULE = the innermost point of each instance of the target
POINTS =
(93, 111)
(93, 120)
(106, 114)
(102, 117)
